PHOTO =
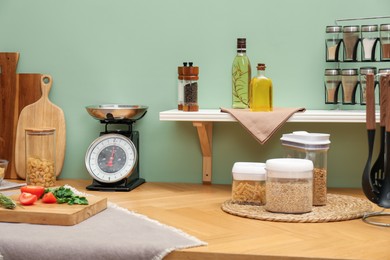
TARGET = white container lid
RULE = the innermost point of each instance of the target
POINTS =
(306, 140)
(249, 171)
(291, 168)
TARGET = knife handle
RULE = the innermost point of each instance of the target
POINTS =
(383, 100)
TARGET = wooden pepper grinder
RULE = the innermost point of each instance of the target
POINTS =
(190, 82)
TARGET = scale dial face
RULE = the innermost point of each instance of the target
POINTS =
(111, 158)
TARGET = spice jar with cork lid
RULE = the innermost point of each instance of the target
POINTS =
(369, 39)
(332, 84)
(363, 72)
(248, 183)
(351, 40)
(289, 185)
(385, 41)
(333, 42)
(40, 157)
(190, 88)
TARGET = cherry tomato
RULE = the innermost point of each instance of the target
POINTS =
(36, 190)
(49, 198)
(27, 198)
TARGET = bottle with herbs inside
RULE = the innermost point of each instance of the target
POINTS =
(260, 98)
(190, 88)
(241, 76)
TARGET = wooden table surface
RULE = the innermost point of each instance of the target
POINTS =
(196, 209)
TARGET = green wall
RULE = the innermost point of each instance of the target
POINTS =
(126, 51)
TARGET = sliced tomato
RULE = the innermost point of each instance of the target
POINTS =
(27, 198)
(36, 190)
(49, 198)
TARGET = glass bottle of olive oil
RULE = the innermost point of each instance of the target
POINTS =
(261, 91)
(241, 76)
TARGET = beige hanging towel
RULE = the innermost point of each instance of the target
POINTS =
(262, 125)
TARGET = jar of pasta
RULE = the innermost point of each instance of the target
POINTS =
(289, 185)
(248, 183)
(40, 157)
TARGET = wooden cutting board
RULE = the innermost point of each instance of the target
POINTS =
(8, 107)
(53, 214)
(41, 114)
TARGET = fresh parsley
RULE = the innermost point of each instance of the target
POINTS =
(66, 195)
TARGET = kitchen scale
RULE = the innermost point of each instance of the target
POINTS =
(112, 159)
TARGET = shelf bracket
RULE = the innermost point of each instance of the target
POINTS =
(205, 133)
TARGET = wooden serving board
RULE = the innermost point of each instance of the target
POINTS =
(41, 114)
(53, 214)
(8, 107)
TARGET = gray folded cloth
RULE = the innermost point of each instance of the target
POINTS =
(262, 125)
(115, 233)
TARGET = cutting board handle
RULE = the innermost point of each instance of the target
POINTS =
(46, 82)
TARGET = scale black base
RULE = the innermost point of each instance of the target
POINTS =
(133, 181)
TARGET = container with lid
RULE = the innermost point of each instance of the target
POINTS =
(363, 72)
(385, 41)
(40, 157)
(333, 42)
(314, 147)
(190, 88)
(248, 183)
(349, 81)
(369, 38)
(289, 185)
(332, 84)
(351, 35)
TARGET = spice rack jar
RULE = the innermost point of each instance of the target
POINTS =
(352, 49)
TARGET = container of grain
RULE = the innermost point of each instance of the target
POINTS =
(314, 147)
(248, 183)
(289, 185)
(40, 157)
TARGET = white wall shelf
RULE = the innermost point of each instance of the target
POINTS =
(204, 118)
(309, 116)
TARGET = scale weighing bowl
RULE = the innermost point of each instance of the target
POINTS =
(117, 112)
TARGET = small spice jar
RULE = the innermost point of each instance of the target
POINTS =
(349, 81)
(190, 86)
(180, 83)
(363, 72)
(332, 84)
(312, 146)
(248, 183)
(333, 42)
(40, 157)
(351, 39)
(385, 41)
(3, 169)
(369, 38)
(289, 185)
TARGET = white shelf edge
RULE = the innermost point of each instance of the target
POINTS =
(309, 116)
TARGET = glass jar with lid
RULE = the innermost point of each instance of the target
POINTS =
(332, 84)
(289, 185)
(351, 35)
(363, 84)
(369, 38)
(349, 81)
(333, 42)
(385, 41)
(190, 88)
(40, 157)
(248, 183)
(314, 147)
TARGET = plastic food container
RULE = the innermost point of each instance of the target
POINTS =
(248, 183)
(289, 185)
(314, 147)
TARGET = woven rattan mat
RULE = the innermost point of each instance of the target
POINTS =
(338, 208)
